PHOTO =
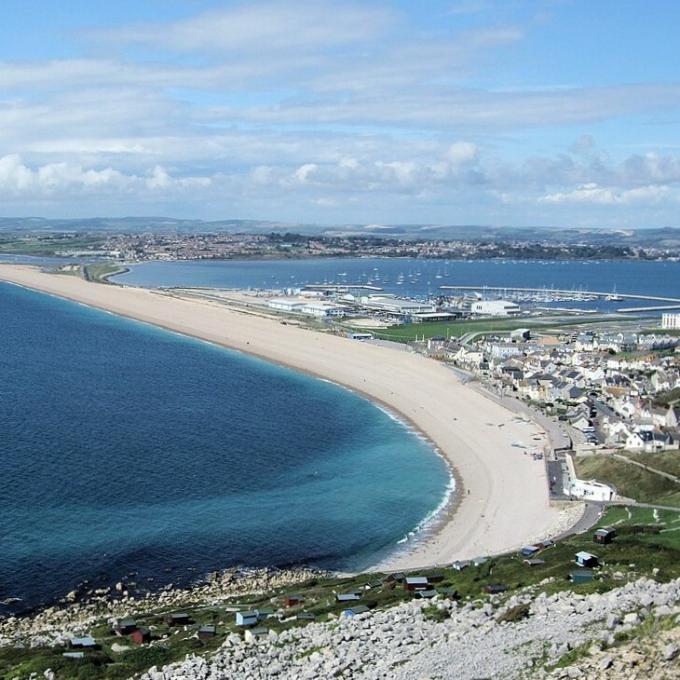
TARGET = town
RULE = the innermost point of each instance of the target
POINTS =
(178, 245)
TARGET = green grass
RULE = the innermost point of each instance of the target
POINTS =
(630, 480)
(456, 329)
(645, 542)
(666, 461)
(48, 244)
(101, 272)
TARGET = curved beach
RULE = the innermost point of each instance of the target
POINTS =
(501, 492)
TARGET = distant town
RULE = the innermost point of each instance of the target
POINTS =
(175, 245)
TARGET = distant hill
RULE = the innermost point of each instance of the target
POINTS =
(665, 237)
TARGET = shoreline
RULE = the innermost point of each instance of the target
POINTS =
(523, 513)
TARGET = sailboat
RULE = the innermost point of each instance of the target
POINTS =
(614, 296)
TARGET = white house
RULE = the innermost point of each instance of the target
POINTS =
(590, 490)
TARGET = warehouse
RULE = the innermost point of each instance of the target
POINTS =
(495, 308)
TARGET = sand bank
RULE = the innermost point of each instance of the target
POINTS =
(501, 497)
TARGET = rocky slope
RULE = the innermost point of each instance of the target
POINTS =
(524, 635)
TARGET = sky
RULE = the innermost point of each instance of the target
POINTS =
(507, 112)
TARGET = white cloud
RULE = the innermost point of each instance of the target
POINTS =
(18, 178)
(257, 27)
(595, 195)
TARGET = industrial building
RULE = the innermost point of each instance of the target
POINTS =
(394, 306)
(315, 308)
(670, 322)
(495, 308)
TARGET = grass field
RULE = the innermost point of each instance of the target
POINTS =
(47, 245)
(101, 272)
(456, 329)
(666, 461)
(648, 543)
(630, 480)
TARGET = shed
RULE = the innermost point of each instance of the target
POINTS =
(435, 578)
(140, 636)
(255, 634)
(246, 618)
(74, 655)
(305, 616)
(293, 600)
(529, 550)
(494, 588)
(416, 583)
(86, 642)
(355, 611)
(448, 592)
(177, 619)
(581, 576)
(586, 559)
(263, 614)
(459, 566)
(534, 562)
(125, 626)
(426, 594)
(347, 597)
(604, 535)
(206, 632)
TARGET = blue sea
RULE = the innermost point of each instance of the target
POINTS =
(125, 449)
(422, 277)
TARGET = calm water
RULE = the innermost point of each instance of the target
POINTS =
(419, 277)
(124, 448)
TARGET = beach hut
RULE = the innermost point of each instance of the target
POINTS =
(86, 642)
(207, 632)
(355, 611)
(177, 619)
(581, 576)
(437, 577)
(529, 550)
(586, 559)
(293, 600)
(140, 636)
(125, 626)
(604, 535)
(246, 618)
(495, 588)
(255, 634)
(459, 566)
(416, 583)
(347, 597)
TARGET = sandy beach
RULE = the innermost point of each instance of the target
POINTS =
(501, 497)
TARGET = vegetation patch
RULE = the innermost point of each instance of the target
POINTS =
(630, 480)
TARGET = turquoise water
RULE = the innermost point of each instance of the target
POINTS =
(127, 449)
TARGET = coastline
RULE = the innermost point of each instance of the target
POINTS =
(501, 498)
